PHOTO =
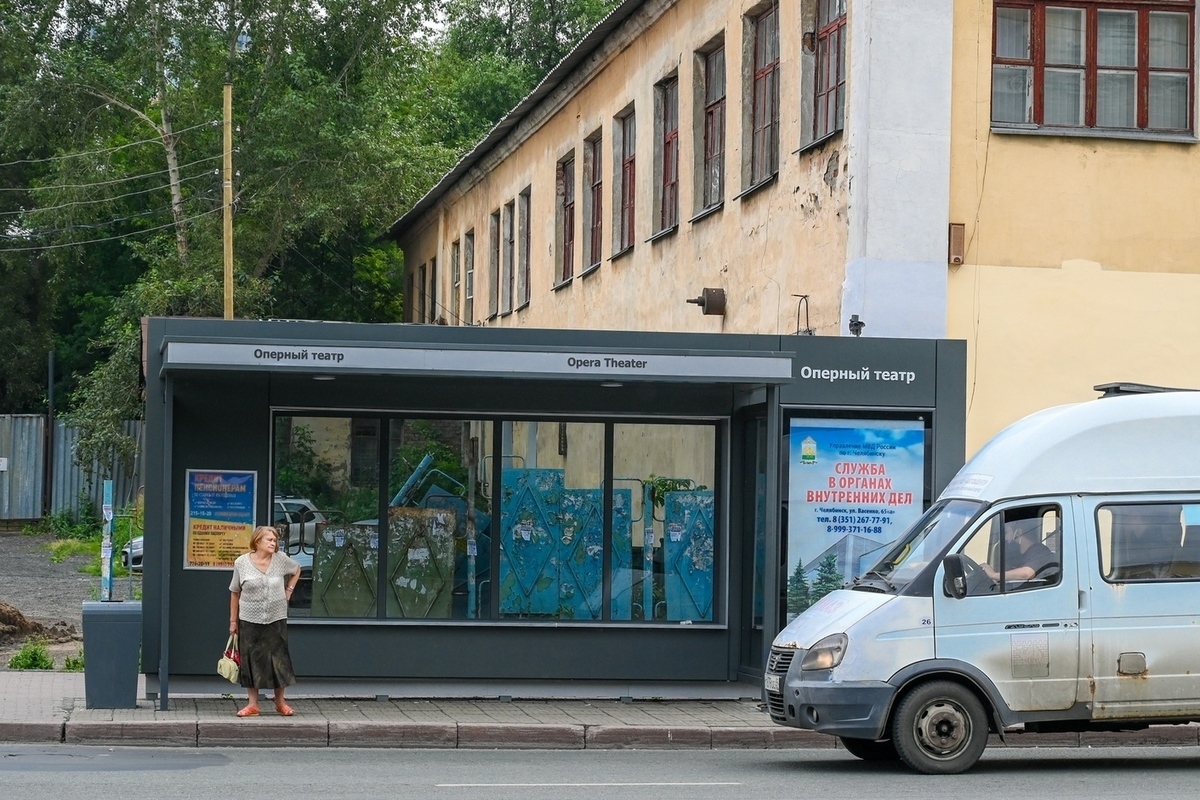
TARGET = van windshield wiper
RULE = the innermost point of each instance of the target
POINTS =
(876, 574)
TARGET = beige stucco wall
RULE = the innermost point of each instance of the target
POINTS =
(787, 238)
(1040, 333)
(1042, 337)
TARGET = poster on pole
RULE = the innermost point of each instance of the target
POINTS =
(855, 486)
(220, 517)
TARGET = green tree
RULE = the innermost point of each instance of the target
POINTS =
(828, 577)
(798, 591)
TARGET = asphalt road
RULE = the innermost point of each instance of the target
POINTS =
(65, 772)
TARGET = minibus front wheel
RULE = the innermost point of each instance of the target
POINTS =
(940, 728)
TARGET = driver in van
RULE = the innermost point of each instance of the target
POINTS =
(1024, 554)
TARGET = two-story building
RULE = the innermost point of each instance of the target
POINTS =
(1015, 174)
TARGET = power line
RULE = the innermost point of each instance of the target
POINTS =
(108, 238)
(113, 199)
(37, 234)
(156, 140)
(107, 183)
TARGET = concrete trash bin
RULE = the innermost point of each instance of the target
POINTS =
(112, 646)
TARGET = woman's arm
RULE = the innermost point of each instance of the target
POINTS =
(233, 611)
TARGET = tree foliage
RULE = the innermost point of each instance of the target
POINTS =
(828, 577)
(344, 114)
(798, 591)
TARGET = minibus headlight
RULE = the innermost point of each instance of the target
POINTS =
(827, 653)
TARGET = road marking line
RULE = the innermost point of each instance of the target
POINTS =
(559, 785)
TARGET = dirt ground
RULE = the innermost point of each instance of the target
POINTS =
(47, 593)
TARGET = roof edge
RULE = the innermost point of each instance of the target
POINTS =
(553, 79)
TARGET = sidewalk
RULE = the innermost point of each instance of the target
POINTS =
(48, 707)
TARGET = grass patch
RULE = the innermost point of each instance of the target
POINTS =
(32, 655)
(74, 663)
(62, 549)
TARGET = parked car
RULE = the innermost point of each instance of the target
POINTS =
(295, 517)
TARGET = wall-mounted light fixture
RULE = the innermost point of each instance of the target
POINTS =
(322, 377)
(711, 301)
(957, 245)
(856, 325)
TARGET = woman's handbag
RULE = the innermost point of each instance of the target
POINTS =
(230, 664)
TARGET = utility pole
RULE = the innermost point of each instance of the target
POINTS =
(227, 183)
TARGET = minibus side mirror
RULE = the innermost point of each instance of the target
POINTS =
(955, 581)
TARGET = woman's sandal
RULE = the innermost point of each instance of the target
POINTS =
(248, 711)
(284, 709)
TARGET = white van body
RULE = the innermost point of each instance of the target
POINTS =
(950, 636)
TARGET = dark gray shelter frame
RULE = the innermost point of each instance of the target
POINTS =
(212, 386)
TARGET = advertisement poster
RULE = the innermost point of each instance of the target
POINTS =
(855, 485)
(220, 517)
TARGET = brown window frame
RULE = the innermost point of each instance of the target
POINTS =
(628, 179)
(831, 69)
(1038, 65)
(668, 209)
(469, 277)
(566, 183)
(508, 263)
(714, 130)
(596, 188)
(433, 290)
(455, 279)
(764, 147)
(523, 275)
(494, 263)
(421, 296)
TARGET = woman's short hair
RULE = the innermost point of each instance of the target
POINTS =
(259, 533)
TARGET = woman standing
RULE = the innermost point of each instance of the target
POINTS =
(263, 582)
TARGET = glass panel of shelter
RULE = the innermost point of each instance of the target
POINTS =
(564, 543)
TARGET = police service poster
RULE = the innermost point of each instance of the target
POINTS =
(855, 485)
(220, 517)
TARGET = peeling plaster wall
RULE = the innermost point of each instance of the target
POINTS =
(787, 238)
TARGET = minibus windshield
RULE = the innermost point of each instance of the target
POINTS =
(922, 543)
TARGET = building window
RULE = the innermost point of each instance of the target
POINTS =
(1094, 65)
(830, 97)
(434, 308)
(494, 264)
(668, 146)
(593, 164)
(469, 278)
(455, 279)
(523, 288)
(713, 147)
(626, 179)
(421, 294)
(764, 98)
(364, 452)
(566, 218)
(510, 243)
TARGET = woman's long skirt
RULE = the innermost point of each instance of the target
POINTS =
(266, 662)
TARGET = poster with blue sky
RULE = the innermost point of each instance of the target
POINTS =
(855, 485)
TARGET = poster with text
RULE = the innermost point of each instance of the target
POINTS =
(855, 486)
(220, 517)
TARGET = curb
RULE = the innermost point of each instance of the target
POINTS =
(394, 734)
(31, 732)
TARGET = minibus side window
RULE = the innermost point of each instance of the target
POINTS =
(1016, 550)
(1149, 542)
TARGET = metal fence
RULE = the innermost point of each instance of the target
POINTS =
(23, 456)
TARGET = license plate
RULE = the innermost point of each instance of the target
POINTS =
(771, 683)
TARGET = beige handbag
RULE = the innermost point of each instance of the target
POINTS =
(230, 664)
